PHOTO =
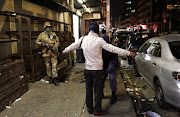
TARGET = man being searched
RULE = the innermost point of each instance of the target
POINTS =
(110, 67)
(49, 42)
(92, 46)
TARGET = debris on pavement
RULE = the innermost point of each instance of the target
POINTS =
(143, 100)
(151, 114)
(17, 100)
(152, 99)
(129, 67)
(44, 81)
(137, 89)
(83, 109)
(129, 89)
(148, 103)
(8, 106)
(137, 94)
(21, 77)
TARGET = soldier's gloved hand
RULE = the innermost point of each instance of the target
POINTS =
(54, 37)
(54, 48)
(43, 44)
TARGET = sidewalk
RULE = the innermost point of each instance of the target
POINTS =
(67, 99)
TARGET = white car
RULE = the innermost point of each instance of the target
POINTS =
(158, 61)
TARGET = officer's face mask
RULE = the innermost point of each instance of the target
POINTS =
(48, 29)
(66, 29)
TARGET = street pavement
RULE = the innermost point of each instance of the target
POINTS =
(67, 99)
(143, 95)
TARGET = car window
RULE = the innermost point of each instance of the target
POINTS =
(175, 48)
(145, 47)
(122, 36)
(157, 49)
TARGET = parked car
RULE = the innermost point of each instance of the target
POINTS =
(158, 61)
(121, 38)
(135, 41)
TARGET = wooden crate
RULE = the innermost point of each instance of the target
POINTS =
(10, 70)
(13, 82)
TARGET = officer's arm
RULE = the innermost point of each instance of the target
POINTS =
(114, 49)
(73, 46)
(57, 40)
(39, 40)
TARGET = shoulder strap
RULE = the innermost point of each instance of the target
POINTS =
(81, 41)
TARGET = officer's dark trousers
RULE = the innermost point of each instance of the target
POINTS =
(94, 81)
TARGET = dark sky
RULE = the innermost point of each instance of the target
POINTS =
(116, 7)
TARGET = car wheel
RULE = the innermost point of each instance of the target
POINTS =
(160, 96)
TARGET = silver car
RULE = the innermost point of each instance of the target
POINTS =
(158, 61)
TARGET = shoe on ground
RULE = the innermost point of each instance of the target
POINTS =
(50, 80)
(100, 113)
(55, 82)
(90, 111)
(83, 80)
(113, 99)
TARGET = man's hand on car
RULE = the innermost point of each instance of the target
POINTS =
(132, 54)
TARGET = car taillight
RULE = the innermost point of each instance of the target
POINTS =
(176, 75)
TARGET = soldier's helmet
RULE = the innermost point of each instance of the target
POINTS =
(47, 24)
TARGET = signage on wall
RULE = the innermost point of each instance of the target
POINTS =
(170, 7)
(88, 16)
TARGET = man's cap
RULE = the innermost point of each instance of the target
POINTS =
(47, 24)
(94, 26)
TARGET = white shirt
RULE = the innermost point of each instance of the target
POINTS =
(92, 46)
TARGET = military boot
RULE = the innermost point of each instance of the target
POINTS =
(73, 64)
(50, 80)
(55, 81)
(113, 98)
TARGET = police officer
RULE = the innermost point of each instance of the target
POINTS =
(70, 39)
(49, 42)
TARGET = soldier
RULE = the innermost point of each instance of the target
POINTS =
(70, 39)
(49, 42)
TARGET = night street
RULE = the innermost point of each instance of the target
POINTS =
(142, 94)
(86, 58)
(135, 96)
(68, 99)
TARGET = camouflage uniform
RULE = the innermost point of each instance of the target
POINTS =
(50, 57)
(69, 39)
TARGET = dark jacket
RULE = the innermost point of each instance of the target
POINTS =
(113, 63)
(106, 57)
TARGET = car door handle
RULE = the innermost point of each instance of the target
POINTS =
(154, 64)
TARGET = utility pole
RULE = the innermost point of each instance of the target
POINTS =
(170, 22)
(108, 16)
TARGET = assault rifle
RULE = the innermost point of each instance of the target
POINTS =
(53, 49)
